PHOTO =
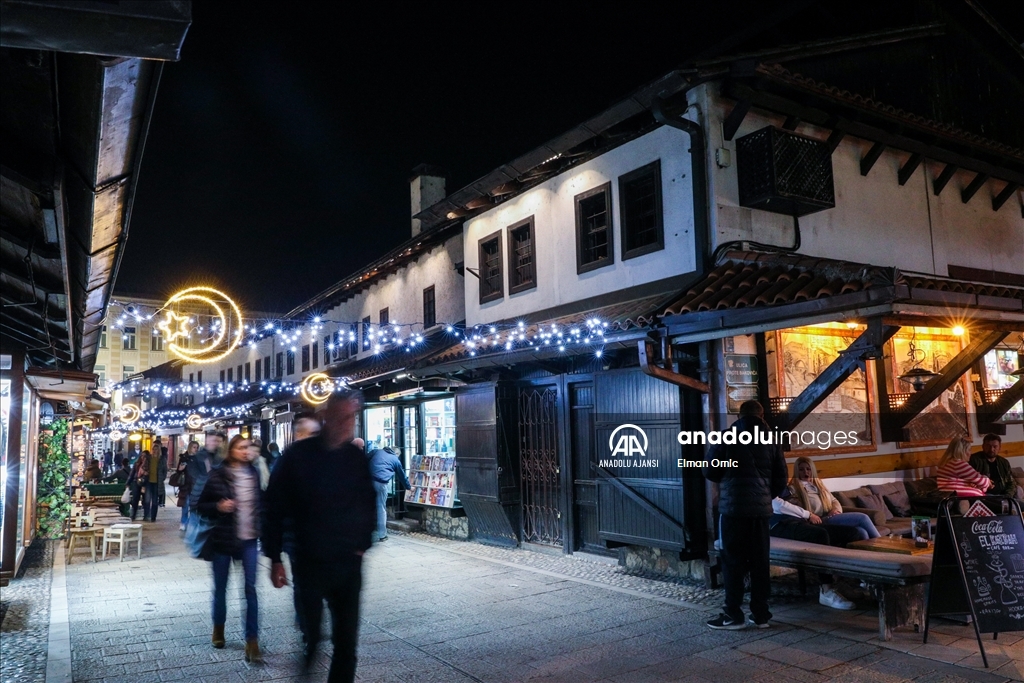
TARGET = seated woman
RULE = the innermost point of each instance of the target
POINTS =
(956, 474)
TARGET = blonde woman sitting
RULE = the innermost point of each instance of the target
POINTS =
(956, 474)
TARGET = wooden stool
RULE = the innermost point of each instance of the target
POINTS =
(88, 536)
(123, 534)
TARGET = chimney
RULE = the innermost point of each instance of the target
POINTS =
(426, 189)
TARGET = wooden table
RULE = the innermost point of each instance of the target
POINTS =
(90, 535)
(884, 544)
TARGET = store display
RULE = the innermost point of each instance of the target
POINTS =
(433, 480)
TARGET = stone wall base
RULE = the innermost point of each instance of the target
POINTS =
(440, 522)
(641, 559)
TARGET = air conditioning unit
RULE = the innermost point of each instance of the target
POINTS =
(783, 172)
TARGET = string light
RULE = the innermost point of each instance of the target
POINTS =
(130, 413)
(194, 421)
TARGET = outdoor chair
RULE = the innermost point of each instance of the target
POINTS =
(123, 534)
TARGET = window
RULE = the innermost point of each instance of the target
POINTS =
(490, 268)
(231, 375)
(101, 372)
(126, 372)
(191, 378)
(222, 377)
(522, 270)
(353, 339)
(248, 370)
(366, 332)
(103, 337)
(199, 376)
(594, 228)
(266, 366)
(259, 370)
(280, 365)
(157, 343)
(315, 353)
(305, 358)
(327, 347)
(640, 211)
(385, 317)
(128, 338)
(238, 374)
(429, 316)
(291, 362)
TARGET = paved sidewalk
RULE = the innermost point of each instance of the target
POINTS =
(437, 610)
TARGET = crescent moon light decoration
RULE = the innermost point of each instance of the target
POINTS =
(130, 413)
(317, 388)
(194, 421)
(227, 323)
(115, 435)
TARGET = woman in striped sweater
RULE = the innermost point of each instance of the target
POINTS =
(956, 474)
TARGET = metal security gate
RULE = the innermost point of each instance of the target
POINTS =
(541, 476)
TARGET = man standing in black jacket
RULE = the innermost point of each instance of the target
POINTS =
(749, 473)
(324, 485)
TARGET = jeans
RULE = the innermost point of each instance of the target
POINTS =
(339, 585)
(221, 568)
(745, 548)
(858, 520)
(184, 514)
(382, 512)
(796, 529)
(149, 503)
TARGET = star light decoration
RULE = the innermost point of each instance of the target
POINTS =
(317, 388)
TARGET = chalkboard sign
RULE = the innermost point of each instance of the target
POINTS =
(978, 565)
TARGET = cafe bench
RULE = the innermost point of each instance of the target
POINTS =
(898, 581)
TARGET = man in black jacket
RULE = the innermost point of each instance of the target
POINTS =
(749, 476)
(323, 483)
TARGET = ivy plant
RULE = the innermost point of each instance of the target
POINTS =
(53, 493)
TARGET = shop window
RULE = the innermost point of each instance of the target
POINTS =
(128, 339)
(101, 374)
(1000, 364)
(491, 279)
(248, 370)
(594, 228)
(305, 358)
(157, 342)
(366, 332)
(429, 316)
(640, 211)
(522, 267)
(103, 337)
(126, 372)
(290, 356)
(384, 318)
(259, 370)
(315, 354)
(280, 365)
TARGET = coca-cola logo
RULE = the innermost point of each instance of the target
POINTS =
(991, 527)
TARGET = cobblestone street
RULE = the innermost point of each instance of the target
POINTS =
(437, 610)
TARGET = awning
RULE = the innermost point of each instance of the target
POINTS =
(749, 292)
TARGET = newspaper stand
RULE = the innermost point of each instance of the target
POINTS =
(978, 565)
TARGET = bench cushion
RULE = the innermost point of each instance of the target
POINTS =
(862, 563)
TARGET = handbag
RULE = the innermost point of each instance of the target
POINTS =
(197, 534)
(175, 478)
(126, 497)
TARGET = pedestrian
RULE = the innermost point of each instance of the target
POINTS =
(181, 479)
(750, 476)
(93, 472)
(956, 474)
(144, 485)
(122, 473)
(324, 485)
(199, 468)
(231, 498)
(108, 461)
(259, 462)
(385, 465)
(273, 455)
(305, 425)
(988, 462)
(161, 452)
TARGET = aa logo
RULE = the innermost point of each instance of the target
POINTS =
(628, 441)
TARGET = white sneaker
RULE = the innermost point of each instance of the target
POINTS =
(831, 598)
(181, 527)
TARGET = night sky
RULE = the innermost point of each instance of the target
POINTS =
(282, 143)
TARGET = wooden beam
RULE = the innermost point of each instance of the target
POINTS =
(973, 187)
(908, 168)
(951, 373)
(870, 344)
(735, 118)
(1006, 193)
(871, 157)
(989, 413)
(835, 138)
(944, 177)
(646, 349)
(791, 123)
(891, 462)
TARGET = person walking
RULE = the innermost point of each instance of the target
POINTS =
(752, 474)
(181, 479)
(273, 455)
(232, 498)
(145, 479)
(108, 462)
(989, 463)
(204, 462)
(324, 485)
(385, 465)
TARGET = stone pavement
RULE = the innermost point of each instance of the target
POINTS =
(26, 617)
(437, 610)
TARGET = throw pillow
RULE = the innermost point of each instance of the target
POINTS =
(874, 502)
(900, 505)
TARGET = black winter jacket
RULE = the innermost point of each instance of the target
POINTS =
(747, 490)
(223, 539)
(329, 497)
